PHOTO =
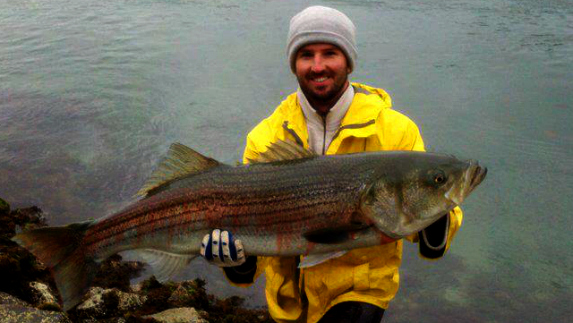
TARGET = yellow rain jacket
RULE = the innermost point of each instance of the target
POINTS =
(367, 275)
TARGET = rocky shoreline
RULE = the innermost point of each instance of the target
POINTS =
(28, 293)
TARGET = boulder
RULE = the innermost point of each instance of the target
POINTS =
(13, 310)
(7, 224)
(43, 297)
(101, 303)
(189, 293)
(17, 263)
(178, 315)
(4, 207)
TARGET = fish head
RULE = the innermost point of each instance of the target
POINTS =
(417, 191)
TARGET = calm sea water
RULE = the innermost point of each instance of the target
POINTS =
(93, 92)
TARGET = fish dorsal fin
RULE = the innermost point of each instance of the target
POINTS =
(164, 265)
(282, 150)
(180, 161)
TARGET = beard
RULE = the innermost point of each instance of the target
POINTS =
(330, 95)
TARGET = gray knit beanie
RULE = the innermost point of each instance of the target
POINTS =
(319, 24)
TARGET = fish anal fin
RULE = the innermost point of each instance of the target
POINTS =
(164, 265)
(180, 161)
(282, 150)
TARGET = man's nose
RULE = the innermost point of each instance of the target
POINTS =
(317, 64)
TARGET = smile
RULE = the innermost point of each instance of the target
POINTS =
(320, 79)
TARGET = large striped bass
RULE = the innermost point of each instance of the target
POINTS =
(287, 202)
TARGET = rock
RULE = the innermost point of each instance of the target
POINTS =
(189, 293)
(115, 273)
(7, 224)
(4, 207)
(178, 315)
(130, 301)
(13, 310)
(43, 297)
(21, 267)
(29, 218)
(9, 300)
(25, 219)
(101, 303)
(93, 305)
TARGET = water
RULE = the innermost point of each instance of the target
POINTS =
(93, 92)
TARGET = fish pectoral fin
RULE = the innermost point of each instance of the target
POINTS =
(334, 235)
(316, 259)
(163, 264)
(179, 162)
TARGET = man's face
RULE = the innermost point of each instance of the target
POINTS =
(322, 72)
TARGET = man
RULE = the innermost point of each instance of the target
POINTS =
(330, 115)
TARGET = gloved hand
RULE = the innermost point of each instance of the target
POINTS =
(221, 249)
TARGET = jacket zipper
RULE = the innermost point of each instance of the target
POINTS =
(323, 134)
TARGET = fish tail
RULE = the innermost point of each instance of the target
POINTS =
(60, 249)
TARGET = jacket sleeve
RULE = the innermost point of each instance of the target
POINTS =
(435, 240)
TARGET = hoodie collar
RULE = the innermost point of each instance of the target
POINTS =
(358, 121)
(335, 114)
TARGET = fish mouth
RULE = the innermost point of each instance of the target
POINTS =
(471, 178)
(476, 174)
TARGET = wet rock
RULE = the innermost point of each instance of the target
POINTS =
(115, 273)
(13, 310)
(107, 303)
(29, 218)
(178, 315)
(43, 297)
(7, 225)
(93, 306)
(192, 294)
(9, 300)
(130, 301)
(16, 262)
(4, 207)
(189, 294)
(231, 310)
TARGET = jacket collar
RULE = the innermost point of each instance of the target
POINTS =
(359, 121)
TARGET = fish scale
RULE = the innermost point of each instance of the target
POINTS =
(294, 199)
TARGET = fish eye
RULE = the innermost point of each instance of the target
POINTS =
(439, 178)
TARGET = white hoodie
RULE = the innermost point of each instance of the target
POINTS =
(322, 130)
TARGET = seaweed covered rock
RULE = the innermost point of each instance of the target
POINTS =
(43, 297)
(107, 303)
(116, 273)
(13, 310)
(178, 315)
(16, 262)
(4, 207)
